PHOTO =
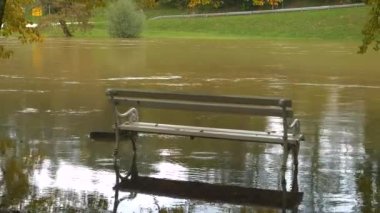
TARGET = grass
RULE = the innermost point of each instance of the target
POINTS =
(334, 24)
(150, 13)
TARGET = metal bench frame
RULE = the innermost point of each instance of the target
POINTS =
(252, 106)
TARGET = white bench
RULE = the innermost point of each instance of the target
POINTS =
(129, 121)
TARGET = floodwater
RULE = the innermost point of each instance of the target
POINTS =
(53, 94)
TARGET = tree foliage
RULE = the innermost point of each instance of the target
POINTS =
(272, 3)
(371, 30)
(214, 3)
(2, 8)
(14, 22)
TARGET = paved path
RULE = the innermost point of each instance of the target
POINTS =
(259, 11)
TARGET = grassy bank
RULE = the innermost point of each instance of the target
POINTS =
(334, 24)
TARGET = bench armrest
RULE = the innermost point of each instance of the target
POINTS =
(129, 116)
(295, 127)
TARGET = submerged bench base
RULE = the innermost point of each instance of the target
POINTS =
(211, 192)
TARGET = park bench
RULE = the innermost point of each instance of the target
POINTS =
(128, 122)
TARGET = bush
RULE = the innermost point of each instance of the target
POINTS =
(125, 21)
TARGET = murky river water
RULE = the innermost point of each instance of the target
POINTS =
(53, 94)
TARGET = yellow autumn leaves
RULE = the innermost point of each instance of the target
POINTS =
(195, 3)
(273, 3)
(14, 22)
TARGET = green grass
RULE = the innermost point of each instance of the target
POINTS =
(150, 13)
(333, 24)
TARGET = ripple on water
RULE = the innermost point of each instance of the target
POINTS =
(71, 82)
(236, 79)
(290, 53)
(290, 47)
(29, 110)
(73, 112)
(174, 84)
(341, 52)
(22, 91)
(36, 142)
(169, 170)
(169, 152)
(336, 85)
(105, 161)
(142, 78)
(203, 155)
(11, 76)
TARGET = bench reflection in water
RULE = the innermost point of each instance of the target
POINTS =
(133, 183)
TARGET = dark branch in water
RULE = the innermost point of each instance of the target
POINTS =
(65, 29)
(107, 136)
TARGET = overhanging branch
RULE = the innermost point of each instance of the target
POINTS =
(2, 9)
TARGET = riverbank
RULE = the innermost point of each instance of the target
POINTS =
(334, 24)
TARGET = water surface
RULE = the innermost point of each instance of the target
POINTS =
(53, 94)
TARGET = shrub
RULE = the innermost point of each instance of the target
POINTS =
(125, 21)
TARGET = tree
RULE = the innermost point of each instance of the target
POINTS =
(2, 8)
(13, 21)
(78, 11)
(371, 30)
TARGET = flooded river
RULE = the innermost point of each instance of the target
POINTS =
(53, 94)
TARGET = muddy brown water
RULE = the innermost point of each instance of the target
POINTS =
(53, 94)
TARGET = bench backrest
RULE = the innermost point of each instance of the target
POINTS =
(260, 106)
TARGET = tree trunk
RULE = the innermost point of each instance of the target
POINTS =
(65, 29)
(2, 9)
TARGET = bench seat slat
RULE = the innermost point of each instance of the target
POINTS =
(209, 107)
(251, 100)
(207, 132)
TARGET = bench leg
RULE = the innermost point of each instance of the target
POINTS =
(133, 139)
(132, 172)
(117, 141)
(284, 161)
(285, 157)
(294, 186)
(283, 185)
(295, 150)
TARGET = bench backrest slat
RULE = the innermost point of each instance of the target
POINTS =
(259, 101)
(209, 107)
